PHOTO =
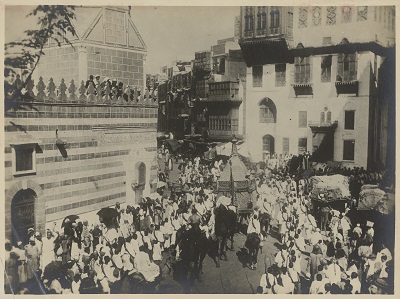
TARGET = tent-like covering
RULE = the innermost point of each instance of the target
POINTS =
(233, 182)
(373, 198)
(174, 144)
(330, 188)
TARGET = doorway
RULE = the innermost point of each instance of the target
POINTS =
(22, 215)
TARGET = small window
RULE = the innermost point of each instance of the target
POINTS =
(349, 120)
(302, 119)
(326, 41)
(280, 74)
(326, 64)
(24, 159)
(257, 75)
(302, 147)
(348, 150)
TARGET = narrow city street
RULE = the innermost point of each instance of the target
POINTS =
(137, 139)
(233, 277)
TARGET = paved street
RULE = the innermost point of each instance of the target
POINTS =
(233, 277)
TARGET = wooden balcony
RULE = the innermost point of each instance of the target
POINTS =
(350, 87)
(304, 89)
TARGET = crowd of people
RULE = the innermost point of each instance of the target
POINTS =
(137, 244)
(339, 260)
(338, 256)
(115, 89)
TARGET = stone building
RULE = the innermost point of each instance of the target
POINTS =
(107, 43)
(79, 149)
(312, 79)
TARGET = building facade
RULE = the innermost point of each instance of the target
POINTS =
(174, 98)
(79, 149)
(219, 99)
(314, 79)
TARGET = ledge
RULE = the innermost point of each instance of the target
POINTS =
(317, 127)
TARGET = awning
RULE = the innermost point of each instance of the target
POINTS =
(342, 48)
(23, 139)
(173, 144)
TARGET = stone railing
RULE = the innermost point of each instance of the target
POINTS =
(86, 93)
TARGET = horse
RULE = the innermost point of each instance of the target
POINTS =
(225, 225)
(253, 245)
(232, 224)
(194, 246)
(265, 220)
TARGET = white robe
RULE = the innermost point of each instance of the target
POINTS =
(149, 270)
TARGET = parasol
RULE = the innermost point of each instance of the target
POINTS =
(53, 270)
(107, 213)
(71, 218)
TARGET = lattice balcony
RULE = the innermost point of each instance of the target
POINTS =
(349, 87)
(303, 89)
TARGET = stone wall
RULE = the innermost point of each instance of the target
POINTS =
(86, 155)
(125, 66)
(64, 60)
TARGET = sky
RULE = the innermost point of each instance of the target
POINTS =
(170, 33)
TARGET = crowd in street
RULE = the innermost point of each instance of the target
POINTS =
(340, 259)
(100, 257)
(137, 245)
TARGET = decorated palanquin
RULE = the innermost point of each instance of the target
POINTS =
(234, 183)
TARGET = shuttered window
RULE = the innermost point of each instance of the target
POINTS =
(347, 67)
(285, 146)
(257, 75)
(280, 74)
(302, 119)
(302, 70)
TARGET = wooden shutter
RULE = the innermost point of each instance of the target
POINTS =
(285, 146)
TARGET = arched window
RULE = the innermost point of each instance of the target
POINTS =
(328, 117)
(267, 111)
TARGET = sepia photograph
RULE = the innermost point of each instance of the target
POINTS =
(199, 149)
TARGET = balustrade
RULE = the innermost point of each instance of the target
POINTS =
(88, 93)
